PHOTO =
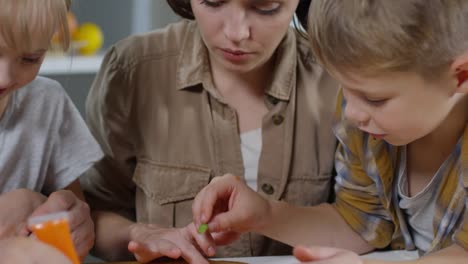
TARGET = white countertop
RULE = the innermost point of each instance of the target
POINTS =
(389, 255)
(68, 65)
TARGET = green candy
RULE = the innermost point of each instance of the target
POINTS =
(202, 228)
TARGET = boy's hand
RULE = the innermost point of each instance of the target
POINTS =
(326, 255)
(81, 224)
(149, 242)
(15, 208)
(227, 204)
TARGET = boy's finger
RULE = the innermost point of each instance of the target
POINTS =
(223, 223)
(56, 202)
(197, 208)
(220, 189)
(314, 253)
(78, 214)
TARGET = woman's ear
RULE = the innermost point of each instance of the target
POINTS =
(459, 69)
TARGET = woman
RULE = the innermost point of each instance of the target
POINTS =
(234, 91)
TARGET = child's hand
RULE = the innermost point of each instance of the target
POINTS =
(149, 242)
(228, 204)
(81, 224)
(326, 255)
(25, 250)
(15, 208)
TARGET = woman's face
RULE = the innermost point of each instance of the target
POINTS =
(242, 35)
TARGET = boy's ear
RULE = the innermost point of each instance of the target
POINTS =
(460, 72)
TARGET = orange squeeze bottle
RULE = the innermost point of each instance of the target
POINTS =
(53, 229)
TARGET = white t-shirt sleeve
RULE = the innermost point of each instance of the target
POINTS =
(74, 149)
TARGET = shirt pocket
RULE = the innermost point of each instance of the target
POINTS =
(307, 190)
(165, 192)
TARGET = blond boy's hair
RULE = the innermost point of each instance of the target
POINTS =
(22, 19)
(375, 36)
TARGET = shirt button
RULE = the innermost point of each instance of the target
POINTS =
(278, 119)
(268, 189)
(273, 100)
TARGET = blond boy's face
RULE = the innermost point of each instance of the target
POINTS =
(397, 107)
(18, 68)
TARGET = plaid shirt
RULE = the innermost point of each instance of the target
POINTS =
(367, 198)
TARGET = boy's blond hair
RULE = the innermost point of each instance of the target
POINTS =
(375, 36)
(21, 19)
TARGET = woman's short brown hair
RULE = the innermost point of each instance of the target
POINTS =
(184, 9)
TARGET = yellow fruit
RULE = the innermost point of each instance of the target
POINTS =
(89, 37)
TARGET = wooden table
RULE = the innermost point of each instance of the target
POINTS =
(389, 255)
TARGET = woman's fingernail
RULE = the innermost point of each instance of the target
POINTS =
(211, 251)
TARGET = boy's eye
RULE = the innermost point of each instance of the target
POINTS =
(268, 8)
(30, 60)
(375, 102)
(212, 3)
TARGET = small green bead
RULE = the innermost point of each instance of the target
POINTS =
(202, 228)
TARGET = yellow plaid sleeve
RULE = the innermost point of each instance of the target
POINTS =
(461, 234)
(358, 197)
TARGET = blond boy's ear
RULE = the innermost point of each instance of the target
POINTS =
(460, 72)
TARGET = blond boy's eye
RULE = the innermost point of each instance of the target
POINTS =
(375, 102)
(31, 60)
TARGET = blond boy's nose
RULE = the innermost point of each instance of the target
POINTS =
(355, 115)
(6, 75)
(6, 81)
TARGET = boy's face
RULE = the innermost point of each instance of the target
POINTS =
(398, 107)
(18, 68)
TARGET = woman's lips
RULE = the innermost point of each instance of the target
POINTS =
(235, 55)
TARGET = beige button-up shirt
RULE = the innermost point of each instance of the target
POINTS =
(166, 131)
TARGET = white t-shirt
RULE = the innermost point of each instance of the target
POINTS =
(420, 208)
(251, 146)
(44, 143)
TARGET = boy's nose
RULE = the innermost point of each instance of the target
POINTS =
(236, 27)
(7, 79)
(358, 117)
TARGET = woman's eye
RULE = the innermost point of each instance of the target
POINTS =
(212, 3)
(268, 8)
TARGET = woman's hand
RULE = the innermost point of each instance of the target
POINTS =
(227, 204)
(149, 242)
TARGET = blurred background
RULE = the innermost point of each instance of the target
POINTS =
(115, 20)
